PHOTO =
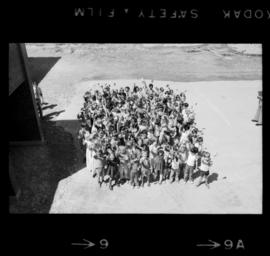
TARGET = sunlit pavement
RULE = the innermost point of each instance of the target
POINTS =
(225, 110)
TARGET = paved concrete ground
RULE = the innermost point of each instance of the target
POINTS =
(225, 110)
(55, 172)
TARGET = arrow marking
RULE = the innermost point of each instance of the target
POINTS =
(87, 245)
(212, 244)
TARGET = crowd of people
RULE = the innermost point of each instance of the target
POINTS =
(141, 134)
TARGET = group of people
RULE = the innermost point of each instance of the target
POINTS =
(141, 134)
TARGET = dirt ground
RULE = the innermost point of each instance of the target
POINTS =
(224, 84)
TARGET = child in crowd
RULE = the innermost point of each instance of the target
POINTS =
(132, 133)
(191, 164)
(204, 168)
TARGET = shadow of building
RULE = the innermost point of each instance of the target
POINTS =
(39, 168)
(40, 66)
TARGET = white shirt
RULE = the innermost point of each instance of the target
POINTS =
(153, 151)
(204, 167)
(175, 164)
(184, 137)
(185, 115)
(35, 91)
(200, 147)
(183, 157)
(191, 160)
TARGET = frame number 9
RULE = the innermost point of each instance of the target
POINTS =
(104, 243)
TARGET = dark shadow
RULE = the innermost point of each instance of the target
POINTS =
(49, 107)
(52, 115)
(40, 66)
(212, 177)
(196, 174)
(22, 117)
(39, 169)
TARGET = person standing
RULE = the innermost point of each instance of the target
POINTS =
(182, 155)
(145, 168)
(135, 169)
(39, 92)
(204, 168)
(175, 170)
(122, 154)
(185, 133)
(81, 138)
(167, 163)
(112, 167)
(191, 164)
(39, 97)
(258, 116)
(159, 165)
(89, 151)
(153, 152)
(98, 163)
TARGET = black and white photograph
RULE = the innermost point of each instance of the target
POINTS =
(148, 128)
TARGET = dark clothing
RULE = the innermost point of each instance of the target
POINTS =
(167, 169)
(175, 174)
(134, 177)
(134, 173)
(188, 173)
(159, 163)
(146, 170)
(203, 173)
(111, 168)
(182, 170)
(39, 107)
